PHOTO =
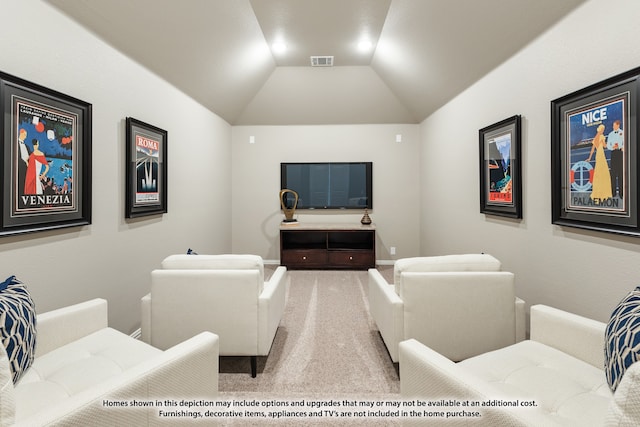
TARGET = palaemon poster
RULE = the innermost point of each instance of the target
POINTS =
(598, 164)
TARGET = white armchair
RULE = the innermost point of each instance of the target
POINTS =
(561, 369)
(81, 363)
(460, 305)
(224, 294)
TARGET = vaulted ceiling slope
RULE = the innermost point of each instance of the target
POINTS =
(220, 52)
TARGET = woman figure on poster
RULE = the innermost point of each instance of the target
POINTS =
(37, 161)
(601, 185)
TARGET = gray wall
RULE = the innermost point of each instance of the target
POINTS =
(256, 213)
(112, 258)
(582, 271)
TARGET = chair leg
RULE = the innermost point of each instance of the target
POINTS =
(254, 366)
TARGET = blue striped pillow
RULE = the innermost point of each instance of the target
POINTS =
(17, 325)
(622, 338)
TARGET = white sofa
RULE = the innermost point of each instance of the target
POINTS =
(460, 305)
(224, 294)
(81, 363)
(561, 369)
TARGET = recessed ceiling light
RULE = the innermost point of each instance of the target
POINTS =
(364, 46)
(279, 47)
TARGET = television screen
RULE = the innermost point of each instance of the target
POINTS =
(328, 185)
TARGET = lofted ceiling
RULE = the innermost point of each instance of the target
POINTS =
(220, 52)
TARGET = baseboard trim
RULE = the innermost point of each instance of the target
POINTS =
(137, 334)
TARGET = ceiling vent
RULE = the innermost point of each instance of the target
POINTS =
(322, 61)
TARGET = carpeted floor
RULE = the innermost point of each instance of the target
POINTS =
(327, 348)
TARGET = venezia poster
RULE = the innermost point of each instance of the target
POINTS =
(43, 159)
(46, 158)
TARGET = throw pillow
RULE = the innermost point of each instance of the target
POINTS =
(622, 338)
(191, 252)
(17, 325)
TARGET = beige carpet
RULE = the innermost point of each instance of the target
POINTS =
(327, 348)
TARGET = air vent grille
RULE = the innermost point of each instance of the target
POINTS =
(322, 61)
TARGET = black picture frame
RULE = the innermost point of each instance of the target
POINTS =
(146, 169)
(500, 168)
(594, 161)
(45, 158)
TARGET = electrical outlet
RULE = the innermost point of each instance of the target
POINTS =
(392, 250)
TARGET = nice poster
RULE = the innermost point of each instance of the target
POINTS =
(598, 167)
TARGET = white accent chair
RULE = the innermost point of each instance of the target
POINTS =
(561, 369)
(224, 294)
(81, 363)
(460, 305)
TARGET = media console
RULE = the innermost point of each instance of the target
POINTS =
(328, 246)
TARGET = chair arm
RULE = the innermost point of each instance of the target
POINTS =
(271, 304)
(430, 376)
(188, 370)
(426, 373)
(387, 311)
(279, 275)
(145, 323)
(521, 320)
(570, 333)
(64, 325)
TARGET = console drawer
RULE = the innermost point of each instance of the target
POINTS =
(304, 258)
(352, 259)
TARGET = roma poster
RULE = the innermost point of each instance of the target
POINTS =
(595, 156)
(45, 168)
(146, 169)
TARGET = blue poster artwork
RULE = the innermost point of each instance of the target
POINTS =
(499, 170)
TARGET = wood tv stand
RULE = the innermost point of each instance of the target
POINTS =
(328, 246)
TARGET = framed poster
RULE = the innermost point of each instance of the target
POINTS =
(146, 169)
(594, 156)
(500, 173)
(46, 158)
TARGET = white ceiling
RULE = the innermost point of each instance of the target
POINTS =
(425, 52)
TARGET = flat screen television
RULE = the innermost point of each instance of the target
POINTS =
(338, 185)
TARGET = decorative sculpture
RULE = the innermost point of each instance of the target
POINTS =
(366, 220)
(285, 203)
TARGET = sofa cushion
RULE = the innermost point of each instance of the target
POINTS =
(77, 366)
(17, 325)
(622, 338)
(625, 407)
(567, 390)
(463, 262)
(7, 401)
